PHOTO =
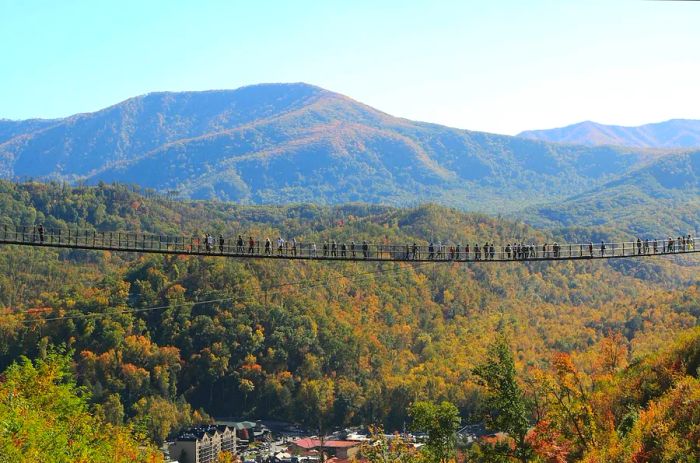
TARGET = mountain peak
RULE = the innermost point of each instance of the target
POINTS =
(674, 133)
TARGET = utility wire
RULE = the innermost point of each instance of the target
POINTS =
(252, 297)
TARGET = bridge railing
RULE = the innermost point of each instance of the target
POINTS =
(73, 237)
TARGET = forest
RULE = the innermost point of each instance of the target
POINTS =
(155, 343)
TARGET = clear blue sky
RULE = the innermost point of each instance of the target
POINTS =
(500, 66)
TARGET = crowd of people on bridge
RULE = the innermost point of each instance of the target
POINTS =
(439, 251)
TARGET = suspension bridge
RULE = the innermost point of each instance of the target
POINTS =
(251, 248)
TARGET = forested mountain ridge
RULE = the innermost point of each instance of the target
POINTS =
(287, 143)
(11, 129)
(660, 199)
(261, 338)
(675, 133)
(85, 143)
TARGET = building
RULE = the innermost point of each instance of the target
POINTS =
(203, 444)
(341, 449)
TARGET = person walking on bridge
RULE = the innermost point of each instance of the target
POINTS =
(280, 245)
(40, 229)
(590, 249)
(639, 247)
(221, 244)
(268, 246)
(365, 249)
(334, 249)
(251, 245)
(415, 251)
(343, 250)
(602, 249)
(466, 251)
(352, 248)
(239, 245)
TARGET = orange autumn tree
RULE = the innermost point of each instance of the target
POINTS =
(566, 393)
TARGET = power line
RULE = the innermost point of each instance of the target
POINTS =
(275, 288)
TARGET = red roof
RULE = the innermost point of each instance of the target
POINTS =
(308, 443)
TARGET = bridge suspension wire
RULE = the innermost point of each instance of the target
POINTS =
(254, 297)
(76, 238)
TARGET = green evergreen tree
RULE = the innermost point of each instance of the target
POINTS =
(505, 407)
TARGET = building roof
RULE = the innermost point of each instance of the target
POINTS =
(309, 443)
(187, 437)
(200, 432)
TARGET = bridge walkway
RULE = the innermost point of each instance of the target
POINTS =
(75, 238)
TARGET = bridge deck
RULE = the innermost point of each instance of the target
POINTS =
(181, 245)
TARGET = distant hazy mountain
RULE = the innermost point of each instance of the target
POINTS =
(676, 133)
(296, 142)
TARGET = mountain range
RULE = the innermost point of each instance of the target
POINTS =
(290, 143)
(676, 133)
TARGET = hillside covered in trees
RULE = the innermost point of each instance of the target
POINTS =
(660, 199)
(615, 410)
(47, 417)
(163, 341)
